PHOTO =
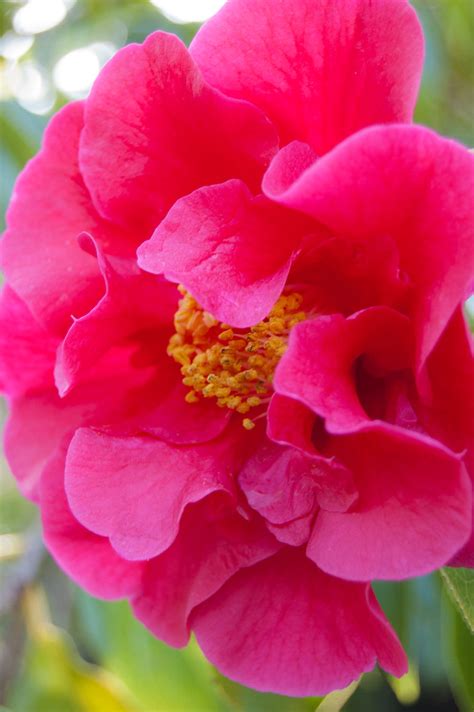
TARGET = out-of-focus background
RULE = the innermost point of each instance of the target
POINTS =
(62, 651)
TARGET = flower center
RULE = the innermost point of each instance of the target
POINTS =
(232, 365)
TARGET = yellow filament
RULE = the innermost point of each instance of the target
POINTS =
(234, 366)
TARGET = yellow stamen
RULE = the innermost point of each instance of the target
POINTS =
(234, 366)
(248, 424)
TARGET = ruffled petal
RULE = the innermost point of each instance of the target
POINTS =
(320, 71)
(168, 131)
(35, 428)
(284, 626)
(230, 250)
(134, 490)
(449, 413)
(284, 484)
(40, 255)
(280, 485)
(138, 309)
(288, 164)
(290, 422)
(133, 303)
(27, 351)
(195, 567)
(413, 513)
(318, 366)
(88, 559)
(39, 420)
(343, 275)
(393, 181)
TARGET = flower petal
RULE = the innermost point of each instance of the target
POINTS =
(39, 420)
(40, 255)
(279, 484)
(413, 512)
(289, 422)
(195, 567)
(27, 351)
(162, 411)
(416, 187)
(134, 489)
(133, 302)
(320, 70)
(465, 556)
(346, 275)
(288, 164)
(284, 484)
(88, 559)
(284, 626)
(34, 430)
(168, 131)
(318, 366)
(230, 250)
(449, 413)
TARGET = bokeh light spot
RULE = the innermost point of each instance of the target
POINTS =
(188, 10)
(13, 46)
(75, 73)
(39, 15)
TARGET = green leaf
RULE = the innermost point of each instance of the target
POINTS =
(460, 584)
(458, 647)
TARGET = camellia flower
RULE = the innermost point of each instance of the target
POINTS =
(269, 407)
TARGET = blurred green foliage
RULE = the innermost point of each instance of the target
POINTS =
(446, 101)
(114, 664)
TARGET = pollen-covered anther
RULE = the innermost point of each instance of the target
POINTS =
(231, 365)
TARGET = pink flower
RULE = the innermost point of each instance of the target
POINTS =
(241, 456)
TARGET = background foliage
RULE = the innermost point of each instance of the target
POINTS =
(62, 651)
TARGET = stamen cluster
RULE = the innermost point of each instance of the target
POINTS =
(231, 365)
